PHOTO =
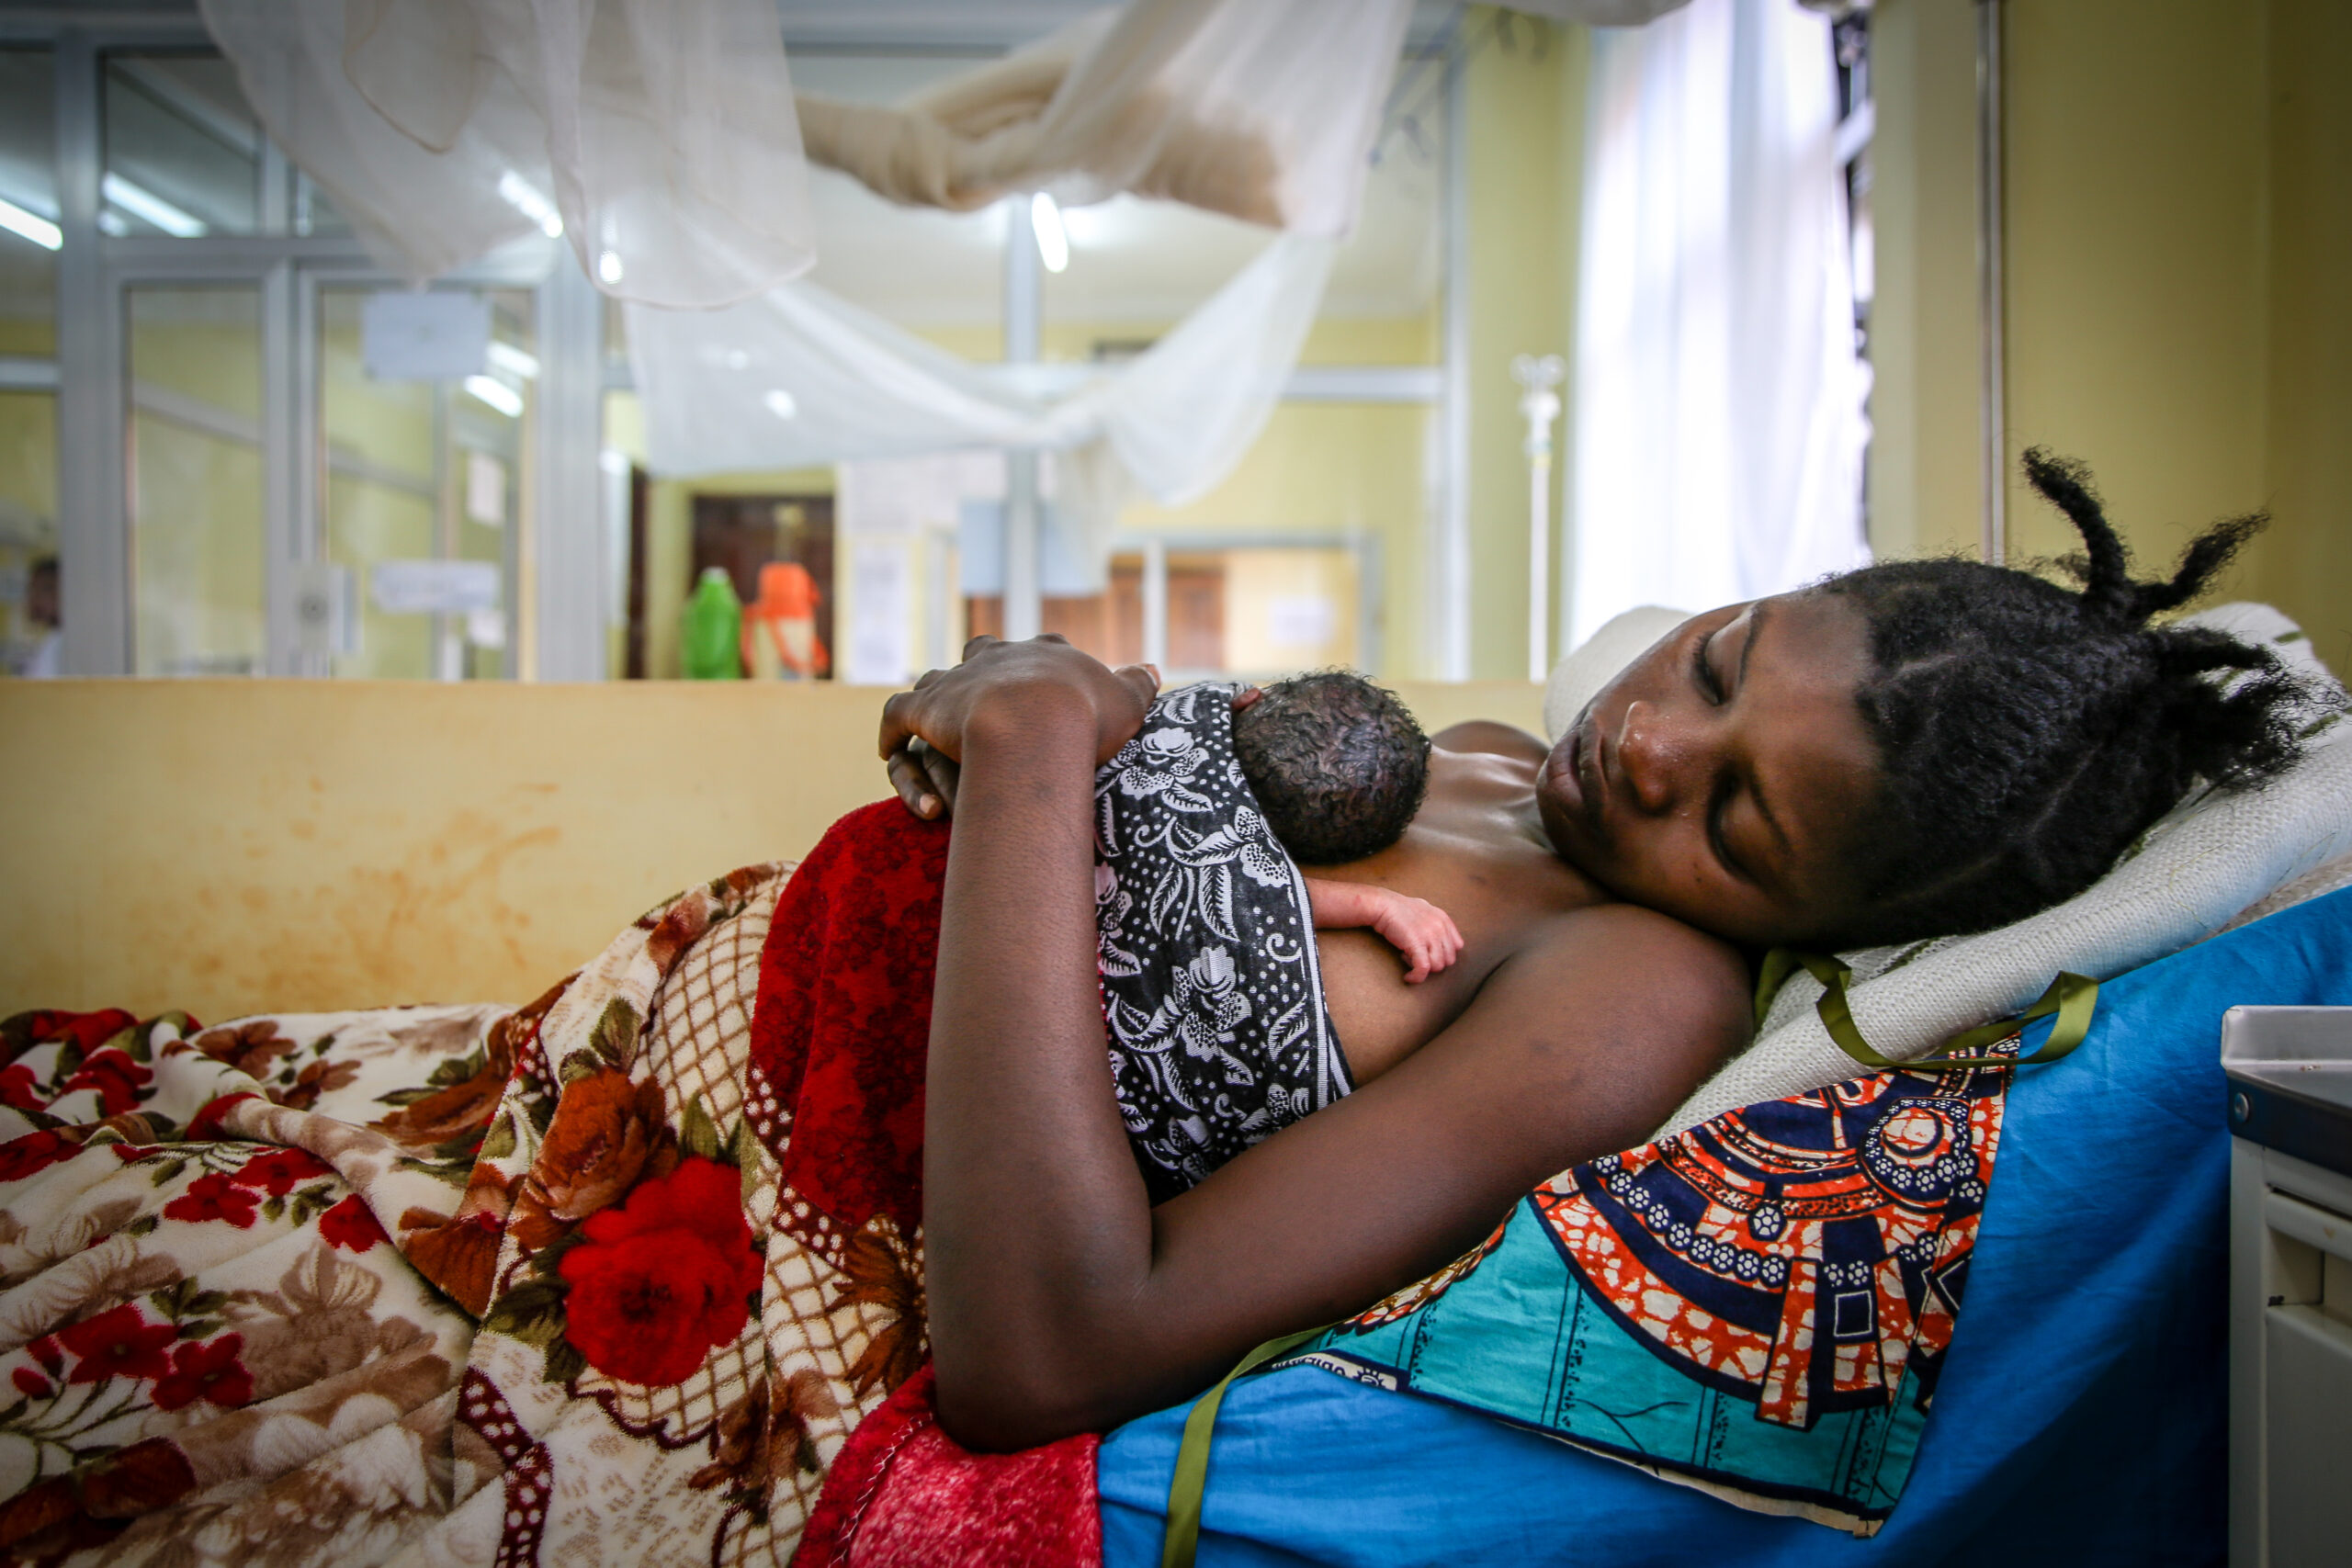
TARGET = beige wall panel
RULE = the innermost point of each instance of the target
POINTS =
(1923, 486)
(2305, 565)
(2137, 313)
(230, 846)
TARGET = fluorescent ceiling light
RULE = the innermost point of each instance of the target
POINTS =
(1053, 243)
(113, 222)
(608, 266)
(142, 203)
(524, 198)
(497, 394)
(30, 225)
(779, 402)
(508, 357)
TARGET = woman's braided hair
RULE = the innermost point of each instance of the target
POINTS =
(2031, 733)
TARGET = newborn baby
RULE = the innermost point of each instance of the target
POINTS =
(1339, 766)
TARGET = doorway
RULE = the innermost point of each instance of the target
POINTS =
(741, 534)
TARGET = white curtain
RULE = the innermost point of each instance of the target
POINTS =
(1719, 428)
(658, 136)
(663, 139)
(799, 375)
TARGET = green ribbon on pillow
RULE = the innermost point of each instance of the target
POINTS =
(1190, 1484)
(2074, 998)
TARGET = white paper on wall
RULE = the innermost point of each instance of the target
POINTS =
(422, 335)
(434, 587)
(878, 650)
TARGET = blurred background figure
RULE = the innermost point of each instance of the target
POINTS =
(37, 659)
(714, 630)
(780, 628)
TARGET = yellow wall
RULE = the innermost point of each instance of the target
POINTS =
(2305, 564)
(2137, 260)
(235, 846)
(28, 452)
(2178, 214)
(1924, 456)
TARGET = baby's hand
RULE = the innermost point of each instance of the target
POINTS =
(1424, 934)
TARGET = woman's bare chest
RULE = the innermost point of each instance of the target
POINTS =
(1496, 883)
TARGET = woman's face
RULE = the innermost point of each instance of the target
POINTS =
(1720, 777)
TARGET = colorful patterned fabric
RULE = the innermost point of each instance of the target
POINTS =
(1211, 990)
(1759, 1307)
(460, 1284)
(609, 1278)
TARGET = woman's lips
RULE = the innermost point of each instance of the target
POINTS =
(1582, 786)
(1593, 780)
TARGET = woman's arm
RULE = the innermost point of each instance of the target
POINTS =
(1060, 1300)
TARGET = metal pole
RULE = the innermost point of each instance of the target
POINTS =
(93, 520)
(288, 459)
(1024, 608)
(1539, 405)
(569, 554)
(1991, 302)
(1449, 607)
(1155, 603)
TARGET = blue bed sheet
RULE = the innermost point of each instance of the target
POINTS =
(2080, 1418)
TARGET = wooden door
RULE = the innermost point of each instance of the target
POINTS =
(744, 532)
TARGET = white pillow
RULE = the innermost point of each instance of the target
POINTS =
(2217, 856)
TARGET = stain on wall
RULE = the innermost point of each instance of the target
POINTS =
(240, 846)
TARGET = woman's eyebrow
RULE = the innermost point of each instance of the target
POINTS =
(1755, 785)
(1755, 625)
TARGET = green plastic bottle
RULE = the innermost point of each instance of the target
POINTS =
(712, 647)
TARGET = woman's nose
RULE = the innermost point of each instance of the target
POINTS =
(1650, 756)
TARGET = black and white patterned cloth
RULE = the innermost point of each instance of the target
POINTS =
(1210, 983)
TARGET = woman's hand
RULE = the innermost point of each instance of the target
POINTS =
(1004, 688)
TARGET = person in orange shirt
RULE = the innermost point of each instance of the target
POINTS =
(780, 627)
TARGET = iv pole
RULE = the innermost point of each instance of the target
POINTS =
(1539, 405)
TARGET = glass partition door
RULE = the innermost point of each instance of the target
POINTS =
(194, 432)
(420, 475)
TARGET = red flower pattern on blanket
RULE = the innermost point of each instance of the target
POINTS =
(603, 1179)
(28, 1155)
(662, 1281)
(118, 1343)
(114, 1076)
(277, 1171)
(215, 1197)
(208, 1371)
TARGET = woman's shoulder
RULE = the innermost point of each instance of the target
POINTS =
(1491, 738)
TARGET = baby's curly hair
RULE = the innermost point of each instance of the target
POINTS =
(2031, 733)
(1337, 764)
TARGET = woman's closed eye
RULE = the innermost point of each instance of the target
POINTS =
(1719, 809)
(1702, 674)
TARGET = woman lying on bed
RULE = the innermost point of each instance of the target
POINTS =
(1910, 749)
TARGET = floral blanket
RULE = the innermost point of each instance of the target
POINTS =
(610, 1278)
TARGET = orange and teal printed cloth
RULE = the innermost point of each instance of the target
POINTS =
(1758, 1306)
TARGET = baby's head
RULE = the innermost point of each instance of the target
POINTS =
(1337, 764)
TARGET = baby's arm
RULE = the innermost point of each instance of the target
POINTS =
(1424, 934)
